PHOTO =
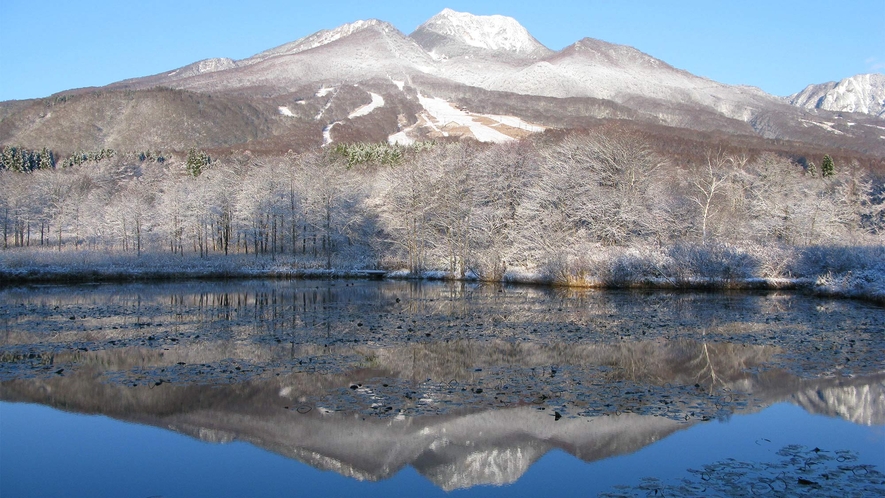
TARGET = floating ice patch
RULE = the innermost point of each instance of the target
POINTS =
(377, 101)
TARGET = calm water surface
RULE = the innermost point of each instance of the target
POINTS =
(290, 388)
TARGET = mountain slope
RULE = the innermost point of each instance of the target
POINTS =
(457, 75)
(864, 93)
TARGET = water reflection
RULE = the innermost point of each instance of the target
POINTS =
(467, 384)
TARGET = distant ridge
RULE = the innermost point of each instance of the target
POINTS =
(457, 75)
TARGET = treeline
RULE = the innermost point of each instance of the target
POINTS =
(22, 160)
(548, 206)
(19, 159)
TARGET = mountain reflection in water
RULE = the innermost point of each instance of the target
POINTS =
(467, 384)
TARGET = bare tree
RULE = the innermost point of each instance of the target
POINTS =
(708, 184)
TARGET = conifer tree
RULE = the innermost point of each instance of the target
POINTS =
(196, 161)
(827, 167)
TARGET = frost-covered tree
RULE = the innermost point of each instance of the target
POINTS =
(196, 162)
(708, 183)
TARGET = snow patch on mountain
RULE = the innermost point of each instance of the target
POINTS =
(515, 122)
(285, 111)
(377, 101)
(401, 138)
(325, 90)
(448, 116)
(486, 32)
(327, 133)
(864, 93)
(825, 125)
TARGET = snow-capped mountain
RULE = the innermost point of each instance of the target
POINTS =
(456, 75)
(323, 37)
(448, 33)
(864, 93)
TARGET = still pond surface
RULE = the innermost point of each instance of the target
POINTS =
(342, 388)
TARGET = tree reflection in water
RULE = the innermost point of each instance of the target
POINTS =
(468, 384)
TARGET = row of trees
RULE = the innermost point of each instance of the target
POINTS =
(19, 159)
(457, 207)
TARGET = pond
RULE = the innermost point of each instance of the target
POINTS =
(337, 388)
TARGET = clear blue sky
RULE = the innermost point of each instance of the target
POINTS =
(47, 46)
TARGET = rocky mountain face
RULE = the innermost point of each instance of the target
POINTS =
(864, 93)
(457, 75)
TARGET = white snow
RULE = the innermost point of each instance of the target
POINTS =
(399, 84)
(284, 110)
(864, 93)
(327, 133)
(400, 138)
(825, 125)
(515, 122)
(429, 121)
(322, 93)
(446, 114)
(377, 101)
(488, 32)
(323, 37)
(325, 90)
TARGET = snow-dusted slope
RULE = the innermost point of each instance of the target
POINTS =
(321, 38)
(350, 54)
(203, 67)
(458, 58)
(446, 32)
(864, 93)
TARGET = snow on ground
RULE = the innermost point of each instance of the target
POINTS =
(327, 133)
(515, 122)
(377, 101)
(328, 104)
(446, 114)
(825, 125)
(427, 121)
(325, 90)
(399, 84)
(284, 110)
(401, 138)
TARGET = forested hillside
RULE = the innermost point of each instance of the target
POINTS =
(607, 207)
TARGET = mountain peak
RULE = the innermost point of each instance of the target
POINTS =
(496, 33)
(326, 36)
(863, 93)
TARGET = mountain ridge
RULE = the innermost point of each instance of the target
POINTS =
(478, 55)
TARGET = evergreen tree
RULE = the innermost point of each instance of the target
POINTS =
(827, 167)
(812, 169)
(196, 162)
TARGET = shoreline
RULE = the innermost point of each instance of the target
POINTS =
(55, 275)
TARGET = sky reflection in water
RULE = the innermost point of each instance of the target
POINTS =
(47, 452)
(407, 388)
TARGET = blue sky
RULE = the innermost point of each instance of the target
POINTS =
(47, 46)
